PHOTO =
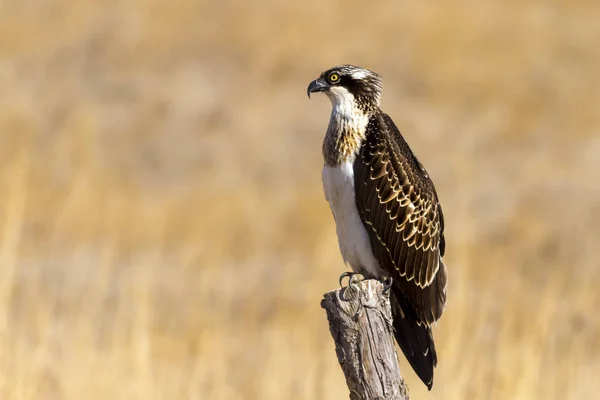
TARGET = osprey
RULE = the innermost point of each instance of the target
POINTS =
(389, 221)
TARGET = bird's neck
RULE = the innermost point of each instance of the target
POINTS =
(345, 134)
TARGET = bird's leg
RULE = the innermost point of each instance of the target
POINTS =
(387, 284)
(353, 279)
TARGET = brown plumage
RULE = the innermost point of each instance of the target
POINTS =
(398, 203)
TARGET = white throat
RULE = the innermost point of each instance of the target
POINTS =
(346, 116)
(343, 103)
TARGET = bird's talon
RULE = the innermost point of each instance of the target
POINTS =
(346, 274)
(352, 280)
(387, 284)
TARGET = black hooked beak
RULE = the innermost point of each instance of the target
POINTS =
(318, 85)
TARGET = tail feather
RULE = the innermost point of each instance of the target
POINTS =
(416, 341)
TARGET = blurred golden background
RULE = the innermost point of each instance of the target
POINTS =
(164, 233)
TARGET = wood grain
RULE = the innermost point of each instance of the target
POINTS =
(361, 326)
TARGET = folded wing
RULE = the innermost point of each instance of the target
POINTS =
(399, 206)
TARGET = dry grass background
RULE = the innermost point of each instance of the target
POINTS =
(163, 229)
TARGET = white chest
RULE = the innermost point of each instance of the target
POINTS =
(338, 183)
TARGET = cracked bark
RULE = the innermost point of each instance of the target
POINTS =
(360, 323)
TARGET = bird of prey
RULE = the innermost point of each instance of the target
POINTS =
(388, 218)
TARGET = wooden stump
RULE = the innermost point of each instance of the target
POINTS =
(360, 322)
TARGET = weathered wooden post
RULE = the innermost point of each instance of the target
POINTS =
(360, 322)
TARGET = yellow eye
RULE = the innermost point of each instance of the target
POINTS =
(334, 78)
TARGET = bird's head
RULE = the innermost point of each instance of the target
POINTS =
(347, 84)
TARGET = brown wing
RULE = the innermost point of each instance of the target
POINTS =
(399, 206)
